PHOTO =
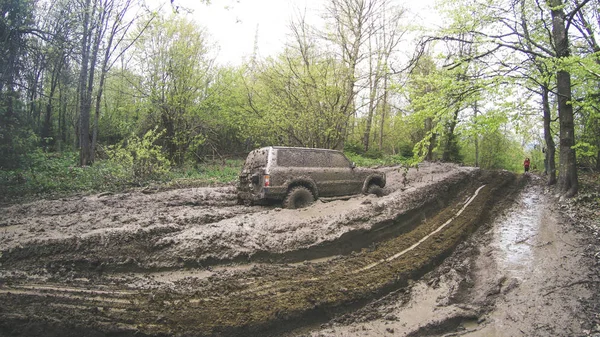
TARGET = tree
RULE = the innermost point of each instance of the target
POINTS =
(16, 24)
(384, 39)
(60, 25)
(567, 178)
(173, 60)
(512, 27)
(351, 29)
(104, 30)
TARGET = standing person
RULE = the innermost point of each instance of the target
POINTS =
(526, 165)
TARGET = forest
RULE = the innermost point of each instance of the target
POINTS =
(100, 94)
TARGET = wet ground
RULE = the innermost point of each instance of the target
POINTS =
(447, 251)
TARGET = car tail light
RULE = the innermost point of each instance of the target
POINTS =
(267, 180)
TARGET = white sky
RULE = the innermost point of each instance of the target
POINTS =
(233, 24)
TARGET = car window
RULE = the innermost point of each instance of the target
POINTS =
(308, 158)
(339, 160)
(289, 158)
(317, 159)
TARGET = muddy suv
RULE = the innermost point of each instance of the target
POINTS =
(298, 176)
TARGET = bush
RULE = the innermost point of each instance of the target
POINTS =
(374, 154)
(140, 159)
(354, 147)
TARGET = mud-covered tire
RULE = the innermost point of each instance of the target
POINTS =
(375, 189)
(298, 197)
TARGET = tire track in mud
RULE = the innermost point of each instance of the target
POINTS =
(266, 299)
(110, 249)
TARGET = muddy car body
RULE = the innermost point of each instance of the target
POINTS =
(297, 176)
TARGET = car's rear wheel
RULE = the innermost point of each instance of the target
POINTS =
(375, 189)
(298, 197)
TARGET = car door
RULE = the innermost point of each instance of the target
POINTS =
(346, 181)
(323, 173)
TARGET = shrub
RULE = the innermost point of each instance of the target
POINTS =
(140, 158)
(354, 147)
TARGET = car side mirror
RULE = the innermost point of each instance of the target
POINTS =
(353, 165)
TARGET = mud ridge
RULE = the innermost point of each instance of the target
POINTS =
(430, 200)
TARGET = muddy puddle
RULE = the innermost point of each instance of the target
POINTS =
(515, 232)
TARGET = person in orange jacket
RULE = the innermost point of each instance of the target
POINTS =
(526, 164)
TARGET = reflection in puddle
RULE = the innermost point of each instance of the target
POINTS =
(515, 232)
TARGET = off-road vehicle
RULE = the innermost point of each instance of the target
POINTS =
(298, 176)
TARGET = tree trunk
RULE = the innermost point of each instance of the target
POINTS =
(475, 113)
(567, 178)
(47, 127)
(549, 162)
(450, 143)
(92, 72)
(383, 110)
(85, 104)
(428, 127)
(103, 72)
(373, 92)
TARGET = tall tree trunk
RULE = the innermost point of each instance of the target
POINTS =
(100, 90)
(47, 127)
(85, 104)
(450, 143)
(428, 124)
(384, 108)
(475, 113)
(92, 72)
(373, 83)
(549, 162)
(567, 178)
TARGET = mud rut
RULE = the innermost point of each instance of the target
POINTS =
(195, 275)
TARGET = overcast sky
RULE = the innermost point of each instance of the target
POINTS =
(233, 24)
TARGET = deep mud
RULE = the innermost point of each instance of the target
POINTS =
(191, 262)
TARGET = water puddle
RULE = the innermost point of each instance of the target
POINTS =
(515, 232)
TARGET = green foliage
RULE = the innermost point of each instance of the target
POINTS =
(354, 147)
(497, 151)
(57, 173)
(140, 159)
(15, 146)
(300, 99)
(175, 72)
(387, 160)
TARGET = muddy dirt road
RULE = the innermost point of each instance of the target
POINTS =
(447, 250)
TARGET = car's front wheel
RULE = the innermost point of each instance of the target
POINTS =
(298, 197)
(375, 189)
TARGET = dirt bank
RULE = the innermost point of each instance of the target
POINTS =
(192, 262)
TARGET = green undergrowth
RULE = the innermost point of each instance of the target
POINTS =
(58, 174)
